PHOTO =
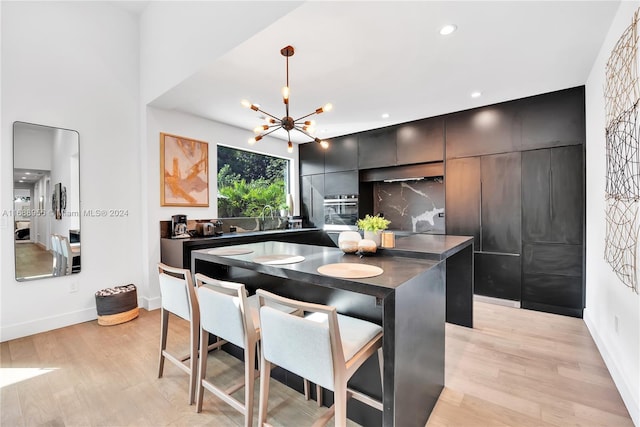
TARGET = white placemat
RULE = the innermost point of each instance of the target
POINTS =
(350, 270)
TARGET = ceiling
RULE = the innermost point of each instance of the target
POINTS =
(375, 57)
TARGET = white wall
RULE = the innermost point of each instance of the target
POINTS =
(73, 65)
(214, 133)
(606, 296)
(180, 38)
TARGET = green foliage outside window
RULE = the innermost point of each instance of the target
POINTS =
(249, 181)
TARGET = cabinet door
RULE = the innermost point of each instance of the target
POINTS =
(567, 194)
(420, 142)
(487, 130)
(553, 195)
(312, 197)
(553, 119)
(501, 207)
(342, 154)
(311, 157)
(462, 198)
(536, 196)
(377, 148)
(336, 183)
(497, 275)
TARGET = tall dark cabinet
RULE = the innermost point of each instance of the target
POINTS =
(553, 229)
(483, 200)
(312, 199)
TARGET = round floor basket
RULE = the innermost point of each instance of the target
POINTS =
(117, 305)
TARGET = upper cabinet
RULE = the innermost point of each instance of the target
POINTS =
(311, 158)
(377, 148)
(555, 119)
(342, 154)
(488, 130)
(420, 142)
(542, 121)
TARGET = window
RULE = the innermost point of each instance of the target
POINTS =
(247, 182)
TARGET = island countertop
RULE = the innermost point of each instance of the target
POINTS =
(396, 269)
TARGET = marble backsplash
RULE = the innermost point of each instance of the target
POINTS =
(416, 206)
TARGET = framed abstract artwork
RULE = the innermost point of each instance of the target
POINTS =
(184, 171)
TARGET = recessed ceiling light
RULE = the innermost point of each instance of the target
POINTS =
(447, 29)
(27, 173)
(385, 115)
(476, 94)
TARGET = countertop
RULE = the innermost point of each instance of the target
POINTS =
(397, 269)
(433, 246)
(227, 236)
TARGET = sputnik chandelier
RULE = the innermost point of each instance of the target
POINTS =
(287, 123)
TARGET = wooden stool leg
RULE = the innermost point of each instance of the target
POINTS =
(164, 322)
(265, 373)
(319, 395)
(249, 386)
(202, 368)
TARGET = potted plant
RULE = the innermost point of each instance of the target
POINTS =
(373, 226)
(284, 209)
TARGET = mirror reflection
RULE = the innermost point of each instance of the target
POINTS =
(46, 191)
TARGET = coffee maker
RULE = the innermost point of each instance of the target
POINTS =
(179, 227)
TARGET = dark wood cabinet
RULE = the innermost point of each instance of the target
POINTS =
(337, 183)
(312, 197)
(462, 198)
(483, 200)
(311, 157)
(487, 130)
(497, 275)
(553, 206)
(342, 154)
(377, 148)
(500, 226)
(553, 195)
(553, 119)
(420, 142)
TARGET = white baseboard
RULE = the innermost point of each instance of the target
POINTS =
(19, 330)
(497, 301)
(151, 303)
(621, 381)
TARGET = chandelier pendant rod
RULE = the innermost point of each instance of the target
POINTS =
(286, 104)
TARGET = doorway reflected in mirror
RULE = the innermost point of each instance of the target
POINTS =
(46, 167)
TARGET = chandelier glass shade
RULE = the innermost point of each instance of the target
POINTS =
(288, 123)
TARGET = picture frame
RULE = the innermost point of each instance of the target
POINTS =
(184, 171)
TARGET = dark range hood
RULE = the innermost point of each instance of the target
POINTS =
(403, 173)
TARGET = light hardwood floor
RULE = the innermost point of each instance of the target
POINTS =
(516, 368)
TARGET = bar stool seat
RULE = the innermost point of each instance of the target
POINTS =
(354, 333)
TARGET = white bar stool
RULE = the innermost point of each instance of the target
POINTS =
(179, 297)
(325, 347)
(227, 312)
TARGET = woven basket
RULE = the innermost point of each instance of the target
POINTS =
(117, 305)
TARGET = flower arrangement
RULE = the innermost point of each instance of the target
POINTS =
(373, 223)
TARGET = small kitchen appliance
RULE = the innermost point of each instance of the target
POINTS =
(179, 227)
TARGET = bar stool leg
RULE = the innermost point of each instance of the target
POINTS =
(265, 373)
(164, 320)
(249, 386)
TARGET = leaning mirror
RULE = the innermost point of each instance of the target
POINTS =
(46, 194)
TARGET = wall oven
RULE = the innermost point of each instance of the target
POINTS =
(340, 212)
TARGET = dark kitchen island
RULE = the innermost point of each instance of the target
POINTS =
(407, 300)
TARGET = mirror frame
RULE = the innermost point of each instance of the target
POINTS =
(49, 204)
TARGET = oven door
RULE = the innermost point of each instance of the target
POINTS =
(340, 212)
